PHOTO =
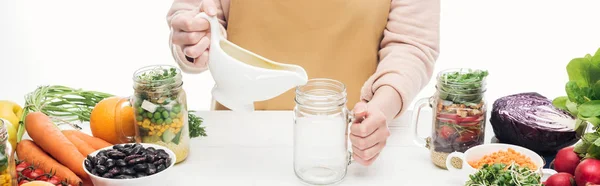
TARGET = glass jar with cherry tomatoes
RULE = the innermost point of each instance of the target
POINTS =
(459, 114)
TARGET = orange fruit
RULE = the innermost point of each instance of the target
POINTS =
(103, 121)
(38, 183)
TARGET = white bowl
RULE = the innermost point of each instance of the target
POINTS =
(159, 178)
(477, 152)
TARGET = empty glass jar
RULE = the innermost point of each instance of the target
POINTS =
(321, 126)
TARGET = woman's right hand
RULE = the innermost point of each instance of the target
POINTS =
(192, 34)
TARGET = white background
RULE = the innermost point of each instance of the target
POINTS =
(97, 45)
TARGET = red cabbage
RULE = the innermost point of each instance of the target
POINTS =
(531, 121)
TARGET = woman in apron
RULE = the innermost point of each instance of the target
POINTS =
(383, 50)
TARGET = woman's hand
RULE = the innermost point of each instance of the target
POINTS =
(369, 133)
(192, 33)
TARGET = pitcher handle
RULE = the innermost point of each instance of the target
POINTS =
(423, 102)
(458, 155)
(122, 105)
(215, 32)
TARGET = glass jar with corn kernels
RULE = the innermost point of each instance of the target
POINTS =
(160, 109)
(458, 116)
(7, 159)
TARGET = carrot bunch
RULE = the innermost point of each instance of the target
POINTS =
(504, 157)
(58, 151)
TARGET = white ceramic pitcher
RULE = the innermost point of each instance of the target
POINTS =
(242, 77)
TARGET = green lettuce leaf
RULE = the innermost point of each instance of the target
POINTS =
(596, 58)
(578, 71)
(591, 137)
(561, 102)
(581, 147)
(589, 109)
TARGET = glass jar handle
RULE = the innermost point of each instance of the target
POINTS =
(423, 102)
(120, 109)
(350, 120)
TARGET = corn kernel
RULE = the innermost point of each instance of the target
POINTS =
(146, 122)
(151, 133)
(176, 121)
(140, 123)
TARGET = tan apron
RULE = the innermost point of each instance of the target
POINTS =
(336, 39)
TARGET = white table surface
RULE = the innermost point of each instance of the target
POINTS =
(256, 149)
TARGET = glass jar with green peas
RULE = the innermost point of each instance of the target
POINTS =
(160, 109)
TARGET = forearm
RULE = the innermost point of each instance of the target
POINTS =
(388, 100)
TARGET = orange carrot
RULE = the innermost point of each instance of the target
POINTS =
(81, 145)
(95, 142)
(48, 137)
(28, 151)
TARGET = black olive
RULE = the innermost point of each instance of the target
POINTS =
(160, 151)
(88, 165)
(136, 161)
(137, 145)
(110, 163)
(168, 162)
(127, 151)
(107, 175)
(163, 155)
(151, 158)
(151, 169)
(114, 171)
(161, 167)
(121, 163)
(128, 171)
(101, 160)
(159, 162)
(118, 147)
(151, 150)
(137, 150)
(124, 177)
(101, 169)
(95, 172)
(130, 157)
(116, 155)
(140, 174)
(91, 158)
(128, 145)
(101, 153)
(140, 167)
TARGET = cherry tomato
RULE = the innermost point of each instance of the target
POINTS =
(43, 177)
(446, 131)
(21, 166)
(27, 173)
(54, 180)
(23, 182)
(36, 173)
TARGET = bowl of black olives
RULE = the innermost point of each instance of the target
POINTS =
(129, 164)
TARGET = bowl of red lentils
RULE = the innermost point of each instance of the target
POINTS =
(474, 158)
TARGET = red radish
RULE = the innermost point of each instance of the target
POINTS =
(588, 172)
(560, 179)
(566, 160)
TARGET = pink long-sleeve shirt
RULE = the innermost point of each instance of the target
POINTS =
(407, 54)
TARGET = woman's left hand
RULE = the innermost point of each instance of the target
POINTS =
(369, 133)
